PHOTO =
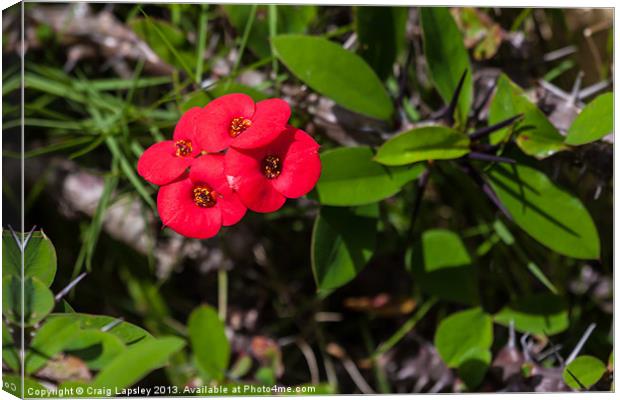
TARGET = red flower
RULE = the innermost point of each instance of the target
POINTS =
(264, 177)
(198, 205)
(234, 120)
(166, 161)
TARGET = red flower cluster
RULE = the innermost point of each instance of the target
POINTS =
(229, 156)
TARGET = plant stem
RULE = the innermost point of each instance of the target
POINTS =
(405, 328)
(202, 38)
(222, 293)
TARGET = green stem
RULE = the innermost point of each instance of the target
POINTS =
(202, 39)
(405, 328)
(222, 293)
(273, 31)
(244, 41)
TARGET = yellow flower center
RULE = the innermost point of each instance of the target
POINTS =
(183, 148)
(204, 196)
(272, 167)
(238, 125)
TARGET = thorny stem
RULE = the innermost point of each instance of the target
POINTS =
(222, 293)
(481, 133)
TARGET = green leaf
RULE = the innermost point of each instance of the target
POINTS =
(9, 351)
(545, 314)
(209, 343)
(39, 257)
(38, 300)
(446, 57)
(594, 122)
(381, 35)
(583, 372)
(552, 216)
(129, 334)
(474, 368)
(135, 363)
(426, 143)
(343, 241)
(49, 340)
(350, 177)
(536, 136)
(95, 348)
(442, 267)
(463, 335)
(290, 19)
(336, 73)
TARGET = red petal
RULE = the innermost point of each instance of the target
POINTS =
(254, 190)
(160, 165)
(301, 165)
(213, 125)
(178, 211)
(187, 126)
(209, 169)
(268, 122)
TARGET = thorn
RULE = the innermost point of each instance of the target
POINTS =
(70, 286)
(581, 343)
(559, 53)
(554, 347)
(593, 89)
(512, 337)
(489, 157)
(599, 190)
(29, 235)
(574, 94)
(526, 347)
(15, 238)
(447, 113)
(486, 188)
(553, 350)
(484, 132)
(111, 325)
(485, 100)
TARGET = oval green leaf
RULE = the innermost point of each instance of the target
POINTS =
(446, 57)
(95, 348)
(343, 241)
(380, 47)
(350, 177)
(137, 361)
(442, 267)
(544, 314)
(426, 143)
(128, 333)
(39, 257)
(536, 136)
(595, 121)
(463, 335)
(209, 343)
(552, 216)
(583, 372)
(336, 73)
(49, 340)
(38, 300)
